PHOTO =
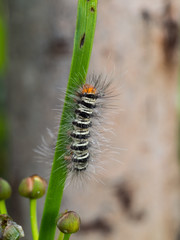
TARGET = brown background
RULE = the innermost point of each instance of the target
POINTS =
(136, 44)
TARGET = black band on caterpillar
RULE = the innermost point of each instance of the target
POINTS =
(87, 104)
(79, 135)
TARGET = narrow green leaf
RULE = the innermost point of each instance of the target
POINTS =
(83, 42)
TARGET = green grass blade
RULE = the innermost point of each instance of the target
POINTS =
(83, 42)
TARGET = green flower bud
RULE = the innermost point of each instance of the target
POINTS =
(5, 189)
(33, 187)
(9, 230)
(69, 222)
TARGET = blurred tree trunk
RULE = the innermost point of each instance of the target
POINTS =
(3, 115)
(137, 41)
(40, 43)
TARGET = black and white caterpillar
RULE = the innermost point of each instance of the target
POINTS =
(87, 130)
(82, 123)
(85, 126)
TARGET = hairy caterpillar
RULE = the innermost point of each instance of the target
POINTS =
(85, 127)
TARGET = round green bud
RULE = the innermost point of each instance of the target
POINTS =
(5, 189)
(69, 222)
(33, 187)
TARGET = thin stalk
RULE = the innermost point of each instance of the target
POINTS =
(33, 216)
(61, 235)
(83, 42)
(67, 236)
(3, 209)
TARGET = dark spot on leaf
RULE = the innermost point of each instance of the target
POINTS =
(99, 224)
(82, 40)
(92, 9)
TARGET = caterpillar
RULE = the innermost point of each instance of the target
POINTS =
(81, 127)
(88, 124)
(85, 126)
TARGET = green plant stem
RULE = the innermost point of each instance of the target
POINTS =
(3, 209)
(33, 216)
(67, 236)
(83, 42)
(61, 235)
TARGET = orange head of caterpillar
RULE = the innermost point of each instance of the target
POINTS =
(89, 89)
